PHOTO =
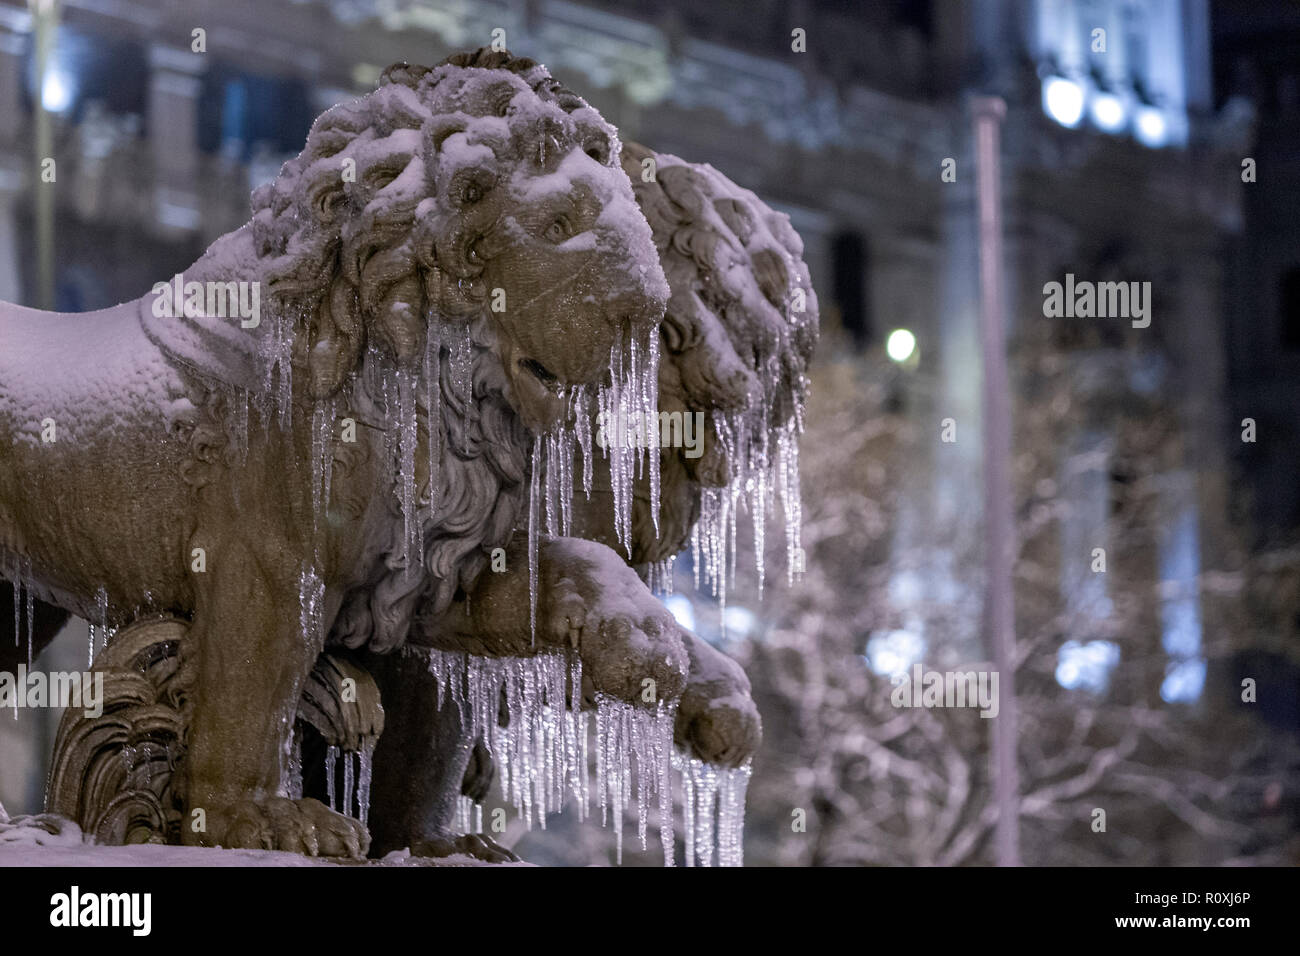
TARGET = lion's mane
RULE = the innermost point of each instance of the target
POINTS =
(363, 264)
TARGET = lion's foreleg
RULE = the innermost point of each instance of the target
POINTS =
(588, 599)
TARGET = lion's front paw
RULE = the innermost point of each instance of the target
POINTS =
(624, 634)
(300, 826)
(717, 720)
(470, 844)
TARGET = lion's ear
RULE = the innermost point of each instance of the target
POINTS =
(337, 340)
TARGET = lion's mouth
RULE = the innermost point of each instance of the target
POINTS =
(539, 371)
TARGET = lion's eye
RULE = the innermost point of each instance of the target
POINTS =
(558, 231)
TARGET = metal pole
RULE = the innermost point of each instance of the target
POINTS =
(999, 532)
(45, 17)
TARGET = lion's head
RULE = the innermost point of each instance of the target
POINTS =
(479, 186)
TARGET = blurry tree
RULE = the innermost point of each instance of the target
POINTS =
(1113, 716)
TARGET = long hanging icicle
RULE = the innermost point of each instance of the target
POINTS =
(713, 810)
(331, 759)
(732, 788)
(311, 606)
(626, 734)
(408, 432)
(277, 356)
(398, 389)
(18, 601)
(98, 628)
(469, 816)
(433, 402)
(762, 454)
(630, 395)
(348, 765)
(659, 576)
(365, 774)
(293, 786)
(322, 460)
(534, 480)
(18, 623)
(30, 610)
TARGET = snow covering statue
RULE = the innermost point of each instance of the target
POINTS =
(452, 264)
(741, 324)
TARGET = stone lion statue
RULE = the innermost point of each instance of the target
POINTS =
(741, 323)
(448, 263)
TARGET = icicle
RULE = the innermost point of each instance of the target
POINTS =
(792, 506)
(624, 734)
(433, 401)
(365, 775)
(30, 600)
(650, 407)
(713, 808)
(18, 623)
(534, 481)
(578, 401)
(18, 604)
(469, 815)
(311, 603)
(408, 432)
(462, 370)
(349, 758)
(331, 756)
(763, 466)
(733, 784)
(531, 750)
(98, 629)
(278, 357)
(291, 767)
(295, 765)
(322, 458)
(659, 576)
(688, 805)
(399, 390)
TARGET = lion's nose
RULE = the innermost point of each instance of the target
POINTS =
(635, 307)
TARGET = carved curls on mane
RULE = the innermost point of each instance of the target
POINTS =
(374, 229)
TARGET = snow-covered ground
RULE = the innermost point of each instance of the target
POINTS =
(49, 841)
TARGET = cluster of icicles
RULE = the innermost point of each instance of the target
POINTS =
(763, 464)
(358, 766)
(631, 395)
(543, 754)
(19, 571)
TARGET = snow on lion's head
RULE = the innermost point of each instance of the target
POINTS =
(477, 186)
